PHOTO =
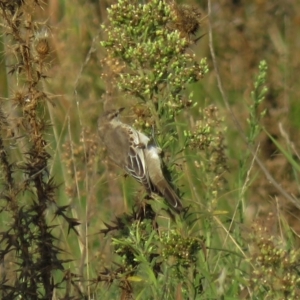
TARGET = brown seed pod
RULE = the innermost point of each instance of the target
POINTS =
(186, 19)
(42, 47)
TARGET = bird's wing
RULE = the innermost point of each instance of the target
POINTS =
(136, 163)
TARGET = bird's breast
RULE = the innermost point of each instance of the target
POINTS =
(153, 152)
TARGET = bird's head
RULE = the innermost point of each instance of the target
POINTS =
(110, 115)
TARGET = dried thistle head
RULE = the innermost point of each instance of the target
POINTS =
(186, 19)
(19, 96)
(42, 47)
(41, 43)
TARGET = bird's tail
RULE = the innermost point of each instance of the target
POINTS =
(170, 195)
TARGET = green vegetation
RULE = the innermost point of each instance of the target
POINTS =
(73, 226)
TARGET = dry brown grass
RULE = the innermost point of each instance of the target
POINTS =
(53, 90)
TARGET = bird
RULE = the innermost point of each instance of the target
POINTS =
(137, 154)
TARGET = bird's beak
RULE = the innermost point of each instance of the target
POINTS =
(121, 109)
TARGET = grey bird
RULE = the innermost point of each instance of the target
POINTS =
(137, 155)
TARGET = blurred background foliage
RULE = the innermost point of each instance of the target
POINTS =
(81, 81)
